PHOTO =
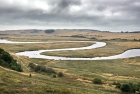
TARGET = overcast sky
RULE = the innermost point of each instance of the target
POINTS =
(114, 15)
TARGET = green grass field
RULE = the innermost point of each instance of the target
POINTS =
(78, 75)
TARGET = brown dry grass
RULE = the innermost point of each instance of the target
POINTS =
(112, 48)
(109, 35)
(65, 32)
(58, 32)
(26, 47)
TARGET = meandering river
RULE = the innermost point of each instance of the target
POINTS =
(36, 54)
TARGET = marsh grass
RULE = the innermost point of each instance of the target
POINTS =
(91, 69)
(112, 48)
(38, 38)
(39, 46)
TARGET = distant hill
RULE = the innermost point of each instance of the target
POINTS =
(53, 32)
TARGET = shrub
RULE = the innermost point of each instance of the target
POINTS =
(118, 85)
(54, 75)
(97, 81)
(93, 38)
(129, 87)
(49, 31)
(6, 60)
(30, 75)
(134, 87)
(41, 68)
(60, 74)
(37, 68)
(125, 88)
(50, 70)
(31, 65)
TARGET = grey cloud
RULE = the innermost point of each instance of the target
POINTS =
(67, 3)
(62, 6)
(91, 15)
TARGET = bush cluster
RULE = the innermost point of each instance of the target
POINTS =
(7, 61)
(97, 81)
(60, 74)
(41, 68)
(129, 87)
(49, 31)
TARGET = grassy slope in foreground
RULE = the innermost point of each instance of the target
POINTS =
(12, 83)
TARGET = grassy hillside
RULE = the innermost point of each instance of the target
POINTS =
(21, 83)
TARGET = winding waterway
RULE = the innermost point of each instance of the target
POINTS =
(36, 54)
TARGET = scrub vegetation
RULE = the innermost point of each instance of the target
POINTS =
(6, 60)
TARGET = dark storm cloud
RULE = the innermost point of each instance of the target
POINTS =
(99, 14)
(63, 6)
(66, 3)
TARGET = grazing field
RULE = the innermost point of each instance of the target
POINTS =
(78, 75)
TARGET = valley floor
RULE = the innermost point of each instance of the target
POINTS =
(78, 75)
